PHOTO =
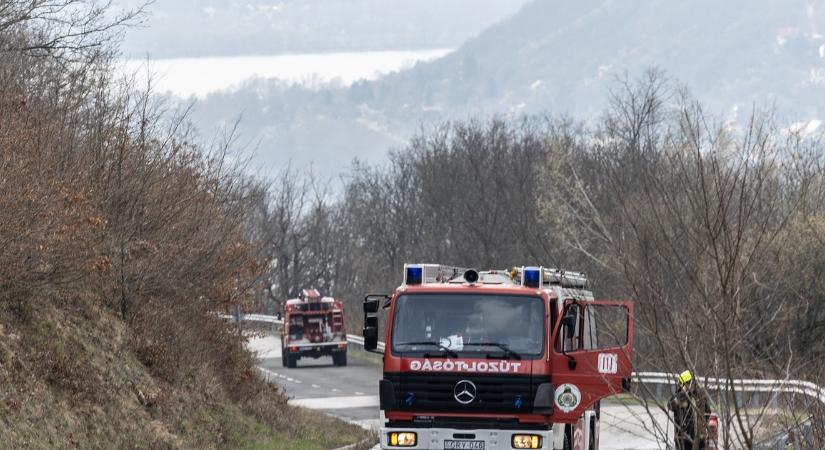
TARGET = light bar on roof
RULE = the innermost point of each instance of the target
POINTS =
(413, 274)
(532, 277)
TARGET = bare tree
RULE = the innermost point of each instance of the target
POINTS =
(64, 29)
(684, 214)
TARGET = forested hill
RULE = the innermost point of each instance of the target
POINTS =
(563, 56)
(555, 56)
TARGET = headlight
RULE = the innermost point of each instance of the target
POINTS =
(402, 439)
(526, 441)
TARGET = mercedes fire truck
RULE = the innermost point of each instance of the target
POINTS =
(498, 359)
(313, 327)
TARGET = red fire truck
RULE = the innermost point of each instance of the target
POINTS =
(497, 359)
(313, 327)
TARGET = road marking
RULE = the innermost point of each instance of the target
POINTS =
(269, 374)
(359, 393)
(336, 402)
(315, 386)
(336, 390)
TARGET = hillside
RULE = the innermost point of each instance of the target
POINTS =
(71, 379)
(121, 242)
(564, 55)
(551, 56)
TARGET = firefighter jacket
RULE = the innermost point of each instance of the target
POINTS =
(691, 410)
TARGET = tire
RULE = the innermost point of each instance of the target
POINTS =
(568, 437)
(339, 359)
(291, 360)
(592, 444)
(284, 356)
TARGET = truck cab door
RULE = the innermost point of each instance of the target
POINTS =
(590, 356)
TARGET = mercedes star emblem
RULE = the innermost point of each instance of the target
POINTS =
(464, 392)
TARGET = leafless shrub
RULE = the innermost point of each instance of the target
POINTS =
(104, 196)
(683, 215)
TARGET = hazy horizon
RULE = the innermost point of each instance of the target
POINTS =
(322, 83)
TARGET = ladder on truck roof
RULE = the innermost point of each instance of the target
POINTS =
(563, 278)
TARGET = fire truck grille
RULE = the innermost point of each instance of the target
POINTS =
(436, 392)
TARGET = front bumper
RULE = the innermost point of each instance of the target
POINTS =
(434, 438)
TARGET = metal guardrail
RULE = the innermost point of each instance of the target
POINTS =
(355, 339)
(741, 385)
(805, 388)
(779, 442)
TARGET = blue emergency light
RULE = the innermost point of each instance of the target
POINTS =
(531, 277)
(415, 275)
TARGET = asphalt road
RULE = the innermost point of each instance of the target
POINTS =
(351, 393)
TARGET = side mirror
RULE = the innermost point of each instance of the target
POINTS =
(370, 333)
(569, 323)
(372, 303)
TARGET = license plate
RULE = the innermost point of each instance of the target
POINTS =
(463, 445)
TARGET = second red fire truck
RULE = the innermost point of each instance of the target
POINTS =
(313, 327)
(507, 359)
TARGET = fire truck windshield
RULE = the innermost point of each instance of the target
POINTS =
(469, 324)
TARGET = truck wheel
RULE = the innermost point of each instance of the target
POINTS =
(291, 361)
(284, 356)
(339, 359)
(568, 437)
(592, 444)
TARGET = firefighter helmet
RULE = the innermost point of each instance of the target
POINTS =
(685, 377)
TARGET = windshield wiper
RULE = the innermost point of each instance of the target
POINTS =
(505, 348)
(446, 349)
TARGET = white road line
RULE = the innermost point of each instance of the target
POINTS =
(336, 390)
(315, 386)
(359, 393)
(269, 374)
(336, 402)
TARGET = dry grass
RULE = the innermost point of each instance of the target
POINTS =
(71, 380)
(120, 238)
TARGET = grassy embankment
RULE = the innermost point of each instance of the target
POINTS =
(70, 379)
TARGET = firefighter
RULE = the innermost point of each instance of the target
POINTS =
(691, 411)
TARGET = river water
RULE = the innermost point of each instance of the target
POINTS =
(198, 77)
